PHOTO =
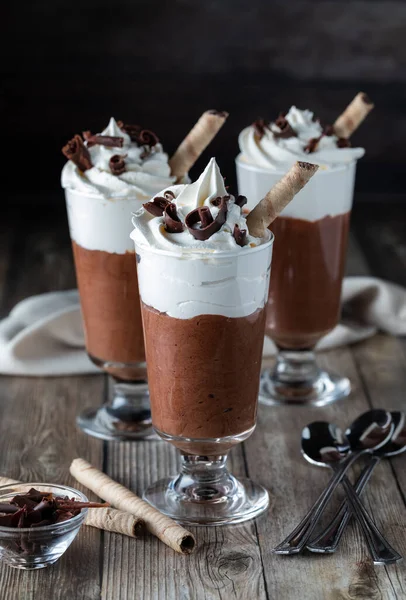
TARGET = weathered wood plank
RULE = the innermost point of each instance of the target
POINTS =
(227, 563)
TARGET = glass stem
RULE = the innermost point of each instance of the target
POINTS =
(296, 366)
(204, 478)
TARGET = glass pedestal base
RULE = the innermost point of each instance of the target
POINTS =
(127, 417)
(205, 493)
(297, 379)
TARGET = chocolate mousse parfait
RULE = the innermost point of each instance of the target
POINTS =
(311, 237)
(107, 177)
(203, 283)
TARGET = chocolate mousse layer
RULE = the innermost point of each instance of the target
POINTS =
(307, 270)
(203, 376)
(108, 288)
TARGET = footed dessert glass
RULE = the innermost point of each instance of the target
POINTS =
(204, 319)
(108, 288)
(311, 237)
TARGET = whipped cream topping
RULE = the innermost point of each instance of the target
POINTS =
(271, 151)
(145, 172)
(185, 277)
(151, 231)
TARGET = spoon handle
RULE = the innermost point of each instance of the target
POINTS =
(381, 551)
(329, 538)
(296, 541)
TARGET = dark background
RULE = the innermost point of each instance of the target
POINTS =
(70, 66)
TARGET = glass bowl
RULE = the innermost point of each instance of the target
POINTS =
(38, 547)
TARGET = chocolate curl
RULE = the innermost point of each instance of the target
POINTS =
(241, 201)
(108, 519)
(312, 145)
(196, 142)
(172, 222)
(117, 164)
(110, 141)
(353, 116)
(260, 127)
(163, 527)
(278, 197)
(76, 151)
(208, 226)
(240, 235)
(142, 137)
(157, 206)
(286, 130)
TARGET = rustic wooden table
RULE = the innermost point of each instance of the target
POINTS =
(38, 440)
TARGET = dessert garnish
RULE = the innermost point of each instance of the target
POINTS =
(36, 509)
(260, 126)
(157, 206)
(76, 151)
(239, 235)
(353, 115)
(196, 141)
(241, 201)
(285, 128)
(110, 141)
(117, 495)
(117, 164)
(208, 225)
(142, 137)
(279, 196)
(172, 222)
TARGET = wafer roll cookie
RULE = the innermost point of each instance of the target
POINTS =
(353, 116)
(279, 197)
(196, 142)
(118, 495)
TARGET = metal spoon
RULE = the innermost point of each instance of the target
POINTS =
(322, 441)
(380, 550)
(328, 540)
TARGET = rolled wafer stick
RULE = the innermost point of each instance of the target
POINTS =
(108, 519)
(118, 495)
(278, 197)
(196, 141)
(353, 116)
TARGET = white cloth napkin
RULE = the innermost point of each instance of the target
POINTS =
(43, 335)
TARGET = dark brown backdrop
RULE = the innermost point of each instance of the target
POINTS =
(71, 65)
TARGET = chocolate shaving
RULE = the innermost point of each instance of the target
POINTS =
(328, 130)
(217, 201)
(142, 137)
(261, 126)
(286, 131)
(36, 508)
(76, 151)
(240, 235)
(199, 215)
(172, 222)
(366, 98)
(117, 164)
(241, 201)
(343, 143)
(157, 206)
(169, 194)
(110, 141)
(312, 144)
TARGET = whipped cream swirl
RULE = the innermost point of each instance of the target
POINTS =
(145, 172)
(275, 152)
(151, 231)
